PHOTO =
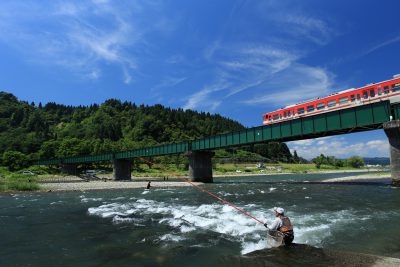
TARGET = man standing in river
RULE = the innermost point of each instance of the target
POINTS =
(283, 225)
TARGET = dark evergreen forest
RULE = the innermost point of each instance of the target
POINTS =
(56, 130)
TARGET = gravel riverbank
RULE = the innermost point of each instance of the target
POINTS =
(360, 178)
(73, 183)
(105, 185)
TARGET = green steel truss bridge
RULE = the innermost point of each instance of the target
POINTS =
(355, 119)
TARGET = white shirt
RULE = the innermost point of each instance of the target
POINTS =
(276, 224)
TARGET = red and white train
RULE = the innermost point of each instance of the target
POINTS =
(344, 99)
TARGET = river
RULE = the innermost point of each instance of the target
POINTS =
(186, 227)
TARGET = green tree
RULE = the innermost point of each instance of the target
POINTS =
(70, 147)
(104, 126)
(339, 163)
(37, 123)
(49, 149)
(355, 162)
(15, 160)
(296, 158)
(274, 151)
(321, 159)
(17, 117)
(331, 160)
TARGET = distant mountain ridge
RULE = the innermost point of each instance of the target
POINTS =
(377, 161)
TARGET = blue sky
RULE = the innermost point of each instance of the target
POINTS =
(236, 58)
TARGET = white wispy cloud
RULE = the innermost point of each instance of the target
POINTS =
(166, 84)
(339, 147)
(239, 68)
(260, 72)
(298, 83)
(262, 58)
(366, 50)
(272, 73)
(381, 45)
(127, 75)
(210, 50)
(68, 9)
(94, 75)
(313, 29)
(79, 36)
(203, 97)
(297, 21)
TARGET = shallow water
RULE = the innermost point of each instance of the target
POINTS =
(183, 226)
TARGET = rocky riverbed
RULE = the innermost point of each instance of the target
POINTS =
(305, 255)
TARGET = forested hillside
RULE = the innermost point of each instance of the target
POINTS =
(55, 130)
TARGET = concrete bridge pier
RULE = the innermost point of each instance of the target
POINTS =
(71, 169)
(392, 130)
(122, 169)
(200, 166)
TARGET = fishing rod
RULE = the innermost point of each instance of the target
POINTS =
(203, 190)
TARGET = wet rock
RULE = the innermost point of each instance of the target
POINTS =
(396, 182)
(305, 255)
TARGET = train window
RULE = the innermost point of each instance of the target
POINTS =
(280, 116)
(310, 108)
(320, 106)
(284, 114)
(332, 103)
(358, 97)
(379, 91)
(343, 100)
(395, 87)
(300, 111)
(372, 92)
(386, 89)
(276, 116)
(352, 98)
(288, 113)
(365, 94)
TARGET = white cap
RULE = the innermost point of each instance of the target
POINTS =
(279, 210)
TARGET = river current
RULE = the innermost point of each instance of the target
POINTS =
(186, 227)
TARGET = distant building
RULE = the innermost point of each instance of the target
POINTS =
(372, 166)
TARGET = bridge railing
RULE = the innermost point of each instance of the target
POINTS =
(358, 117)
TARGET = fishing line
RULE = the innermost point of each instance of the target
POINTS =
(202, 189)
